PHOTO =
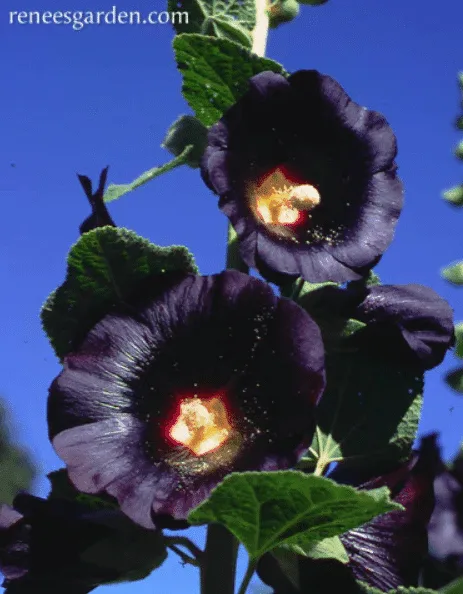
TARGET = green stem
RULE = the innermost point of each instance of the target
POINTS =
(218, 568)
(234, 260)
(186, 559)
(247, 577)
(320, 467)
(259, 45)
(184, 541)
(260, 32)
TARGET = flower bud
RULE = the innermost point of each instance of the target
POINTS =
(282, 12)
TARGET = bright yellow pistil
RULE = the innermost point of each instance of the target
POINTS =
(202, 425)
(278, 202)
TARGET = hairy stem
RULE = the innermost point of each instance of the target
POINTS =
(184, 541)
(218, 568)
(247, 577)
(260, 32)
(234, 260)
(259, 45)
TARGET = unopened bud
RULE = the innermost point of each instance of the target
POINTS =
(282, 11)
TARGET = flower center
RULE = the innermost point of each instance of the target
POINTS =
(284, 205)
(201, 425)
(276, 200)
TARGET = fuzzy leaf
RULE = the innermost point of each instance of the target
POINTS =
(105, 268)
(215, 73)
(226, 19)
(265, 510)
(17, 470)
(328, 548)
(363, 393)
(455, 587)
(459, 340)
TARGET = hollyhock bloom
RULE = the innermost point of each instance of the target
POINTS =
(214, 375)
(52, 546)
(446, 525)
(408, 323)
(412, 317)
(388, 551)
(307, 178)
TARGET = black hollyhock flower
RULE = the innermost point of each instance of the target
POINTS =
(388, 551)
(43, 544)
(408, 323)
(307, 178)
(214, 375)
(446, 525)
(100, 216)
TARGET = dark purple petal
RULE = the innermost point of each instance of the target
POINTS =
(375, 223)
(380, 141)
(12, 547)
(40, 546)
(410, 322)
(307, 128)
(389, 551)
(226, 336)
(446, 525)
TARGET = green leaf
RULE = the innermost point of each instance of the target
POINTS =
(312, 298)
(454, 273)
(115, 191)
(312, 289)
(459, 340)
(455, 587)
(187, 131)
(328, 548)
(131, 551)
(364, 393)
(454, 196)
(105, 269)
(215, 73)
(267, 509)
(454, 379)
(17, 469)
(225, 19)
(459, 150)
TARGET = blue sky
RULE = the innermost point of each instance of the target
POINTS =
(76, 101)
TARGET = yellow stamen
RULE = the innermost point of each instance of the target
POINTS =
(276, 202)
(202, 425)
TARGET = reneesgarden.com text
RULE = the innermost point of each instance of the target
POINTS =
(78, 19)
